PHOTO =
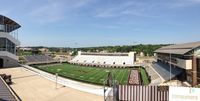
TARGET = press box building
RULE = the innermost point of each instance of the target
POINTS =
(8, 42)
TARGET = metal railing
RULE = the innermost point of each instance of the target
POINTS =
(2, 49)
(12, 30)
(8, 50)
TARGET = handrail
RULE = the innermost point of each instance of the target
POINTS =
(11, 91)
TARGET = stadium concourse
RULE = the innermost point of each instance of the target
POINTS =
(105, 59)
(30, 86)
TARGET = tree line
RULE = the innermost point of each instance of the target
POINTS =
(146, 49)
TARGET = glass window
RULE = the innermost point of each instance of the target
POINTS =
(10, 46)
(2, 28)
(7, 46)
(2, 44)
(198, 80)
(198, 67)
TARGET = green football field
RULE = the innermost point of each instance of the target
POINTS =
(87, 74)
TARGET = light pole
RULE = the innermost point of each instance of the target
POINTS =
(170, 65)
(58, 70)
(56, 79)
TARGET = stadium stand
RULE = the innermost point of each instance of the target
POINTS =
(6, 93)
(39, 59)
(104, 59)
(164, 70)
(185, 56)
(155, 79)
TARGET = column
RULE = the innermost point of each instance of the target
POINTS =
(194, 71)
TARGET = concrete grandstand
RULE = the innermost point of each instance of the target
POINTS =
(39, 59)
(105, 59)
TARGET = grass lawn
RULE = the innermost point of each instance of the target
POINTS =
(144, 76)
(86, 74)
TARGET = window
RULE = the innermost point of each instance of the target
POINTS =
(124, 63)
(104, 62)
(198, 67)
(113, 62)
(2, 28)
(198, 80)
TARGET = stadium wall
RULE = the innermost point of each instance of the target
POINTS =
(8, 62)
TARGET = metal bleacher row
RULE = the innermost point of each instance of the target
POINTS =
(164, 70)
(5, 92)
(37, 59)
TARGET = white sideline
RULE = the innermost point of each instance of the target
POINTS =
(93, 89)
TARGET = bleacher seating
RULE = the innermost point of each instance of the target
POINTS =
(105, 59)
(164, 70)
(38, 59)
(5, 92)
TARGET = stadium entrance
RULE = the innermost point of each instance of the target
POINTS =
(1, 62)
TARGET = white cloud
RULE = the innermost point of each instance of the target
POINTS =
(105, 26)
(141, 8)
(48, 13)
(55, 10)
(131, 8)
(195, 1)
(182, 3)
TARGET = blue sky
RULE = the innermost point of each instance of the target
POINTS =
(83, 23)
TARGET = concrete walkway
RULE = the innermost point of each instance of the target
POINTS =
(32, 87)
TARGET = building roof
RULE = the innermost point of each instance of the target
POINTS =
(179, 48)
(9, 22)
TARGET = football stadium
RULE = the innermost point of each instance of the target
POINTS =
(94, 67)
(96, 76)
